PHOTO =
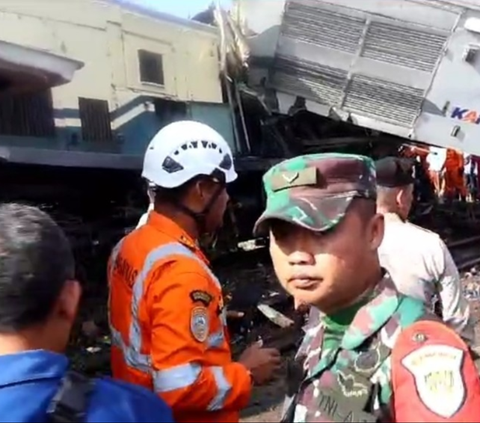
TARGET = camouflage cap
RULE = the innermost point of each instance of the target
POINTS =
(315, 190)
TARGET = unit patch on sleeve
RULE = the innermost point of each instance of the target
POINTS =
(203, 297)
(199, 323)
(438, 377)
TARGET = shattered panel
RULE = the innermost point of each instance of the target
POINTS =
(403, 46)
(383, 100)
(310, 80)
(307, 21)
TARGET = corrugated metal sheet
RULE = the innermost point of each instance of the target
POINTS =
(309, 79)
(383, 100)
(403, 46)
(306, 21)
(372, 91)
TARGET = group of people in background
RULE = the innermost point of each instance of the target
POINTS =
(453, 174)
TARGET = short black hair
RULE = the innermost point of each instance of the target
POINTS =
(176, 195)
(393, 172)
(36, 260)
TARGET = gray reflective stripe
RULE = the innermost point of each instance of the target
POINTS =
(176, 377)
(215, 340)
(133, 359)
(185, 375)
(223, 389)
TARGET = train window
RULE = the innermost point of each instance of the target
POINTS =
(151, 67)
(95, 119)
(27, 114)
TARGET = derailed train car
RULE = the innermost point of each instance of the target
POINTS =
(408, 68)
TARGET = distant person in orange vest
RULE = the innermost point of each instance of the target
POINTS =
(453, 170)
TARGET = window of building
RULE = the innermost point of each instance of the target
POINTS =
(151, 67)
(95, 119)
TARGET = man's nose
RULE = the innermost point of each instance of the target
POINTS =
(300, 258)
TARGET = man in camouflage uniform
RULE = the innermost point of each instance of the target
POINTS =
(370, 353)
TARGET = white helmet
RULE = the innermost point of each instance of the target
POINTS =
(185, 149)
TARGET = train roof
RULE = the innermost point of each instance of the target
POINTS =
(472, 4)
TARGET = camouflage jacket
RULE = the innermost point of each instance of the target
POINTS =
(340, 384)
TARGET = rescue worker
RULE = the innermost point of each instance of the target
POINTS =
(452, 170)
(167, 313)
(151, 200)
(417, 259)
(39, 297)
(376, 355)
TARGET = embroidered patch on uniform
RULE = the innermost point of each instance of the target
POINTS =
(199, 323)
(367, 360)
(203, 297)
(350, 387)
(438, 377)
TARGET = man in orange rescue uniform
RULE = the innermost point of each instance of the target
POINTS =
(167, 316)
(453, 169)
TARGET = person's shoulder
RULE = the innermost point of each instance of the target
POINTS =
(182, 267)
(123, 402)
(428, 240)
(421, 231)
(426, 355)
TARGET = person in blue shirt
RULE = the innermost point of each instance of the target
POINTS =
(39, 297)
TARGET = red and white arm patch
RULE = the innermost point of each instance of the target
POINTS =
(434, 378)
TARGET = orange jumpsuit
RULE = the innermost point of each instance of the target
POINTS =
(168, 325)
(454, 180)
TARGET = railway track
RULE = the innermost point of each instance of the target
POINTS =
(465, 252)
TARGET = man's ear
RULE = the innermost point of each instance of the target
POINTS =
(400, 194)
(376, 231)
(205, 188)
(69, 300)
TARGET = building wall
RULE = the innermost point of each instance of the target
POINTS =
(107, 37)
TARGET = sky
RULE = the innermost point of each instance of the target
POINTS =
(181, 8)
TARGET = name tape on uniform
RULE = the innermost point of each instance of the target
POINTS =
(199, 296)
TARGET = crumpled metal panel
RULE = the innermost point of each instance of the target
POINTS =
(403, 46)
(383, 100)
(307, 21)
(310, 80)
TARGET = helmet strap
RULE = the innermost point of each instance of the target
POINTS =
(200, 217)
